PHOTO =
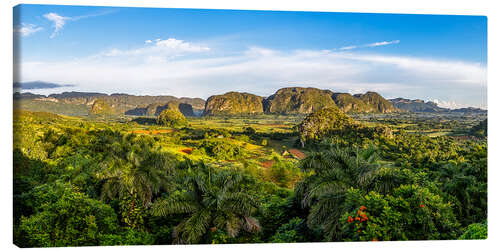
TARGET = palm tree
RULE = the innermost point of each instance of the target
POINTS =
(334, 171)
(213, 199)
(136, 176)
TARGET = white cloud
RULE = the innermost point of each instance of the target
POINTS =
(349, 47)
(370, 45)
(159, 50)
(27, 29)
(431, 70)
(451, 104)
(179, 45)
(58, 22)
(181, 68)
(382, 43)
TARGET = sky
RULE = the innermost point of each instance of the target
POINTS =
(199, 53)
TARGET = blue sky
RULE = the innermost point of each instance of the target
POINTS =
(197, 53)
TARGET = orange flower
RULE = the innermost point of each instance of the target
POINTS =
(374, 239)
(350, 219)
(357, 218)
(362, 208)
(359, 230)
(422, 205)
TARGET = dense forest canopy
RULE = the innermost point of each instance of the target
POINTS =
(258, 178)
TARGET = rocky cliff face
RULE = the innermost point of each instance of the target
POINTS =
(233, 103)
(184, 108)
(298, 101)
(375, 100)
(350, 104)
(121, 103)
(416, 105)
(101, 107)
(155, 109)
(288, 101)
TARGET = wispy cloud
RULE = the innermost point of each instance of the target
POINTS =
(156, 51)
(59, 21)
(159, 67)
(27, 29)
(369, 45)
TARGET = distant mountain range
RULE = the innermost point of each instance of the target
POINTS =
(82, 103)
(39, 85)
(418, 105)
(286, 101)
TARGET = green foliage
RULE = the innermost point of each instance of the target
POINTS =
(172, 118)
(219, 199)
(322, 123)
(290, 232)
(249, 131)
(275, 211)
(52, 107)
(476, 231)
(350, 104)
(334, 172)
(409, 213)
(134, 171)
(80, 182)
(101, 107)
(284, 173)
(221, 149)
(481, 129)
(377, 101)
(127, 237)
(463, 185)
(65, 217)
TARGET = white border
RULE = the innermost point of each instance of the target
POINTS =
(460, 7)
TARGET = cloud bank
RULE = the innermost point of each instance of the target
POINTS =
(27, 29)
(154, 52)
(180, 68)
(39, 85)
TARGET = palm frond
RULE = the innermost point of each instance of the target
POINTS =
(164, 207)
(196, 226)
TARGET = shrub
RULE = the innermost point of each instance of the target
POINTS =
(410, 213)
(66, 217)
(476, 231)
(172, 118)
(222, 149)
